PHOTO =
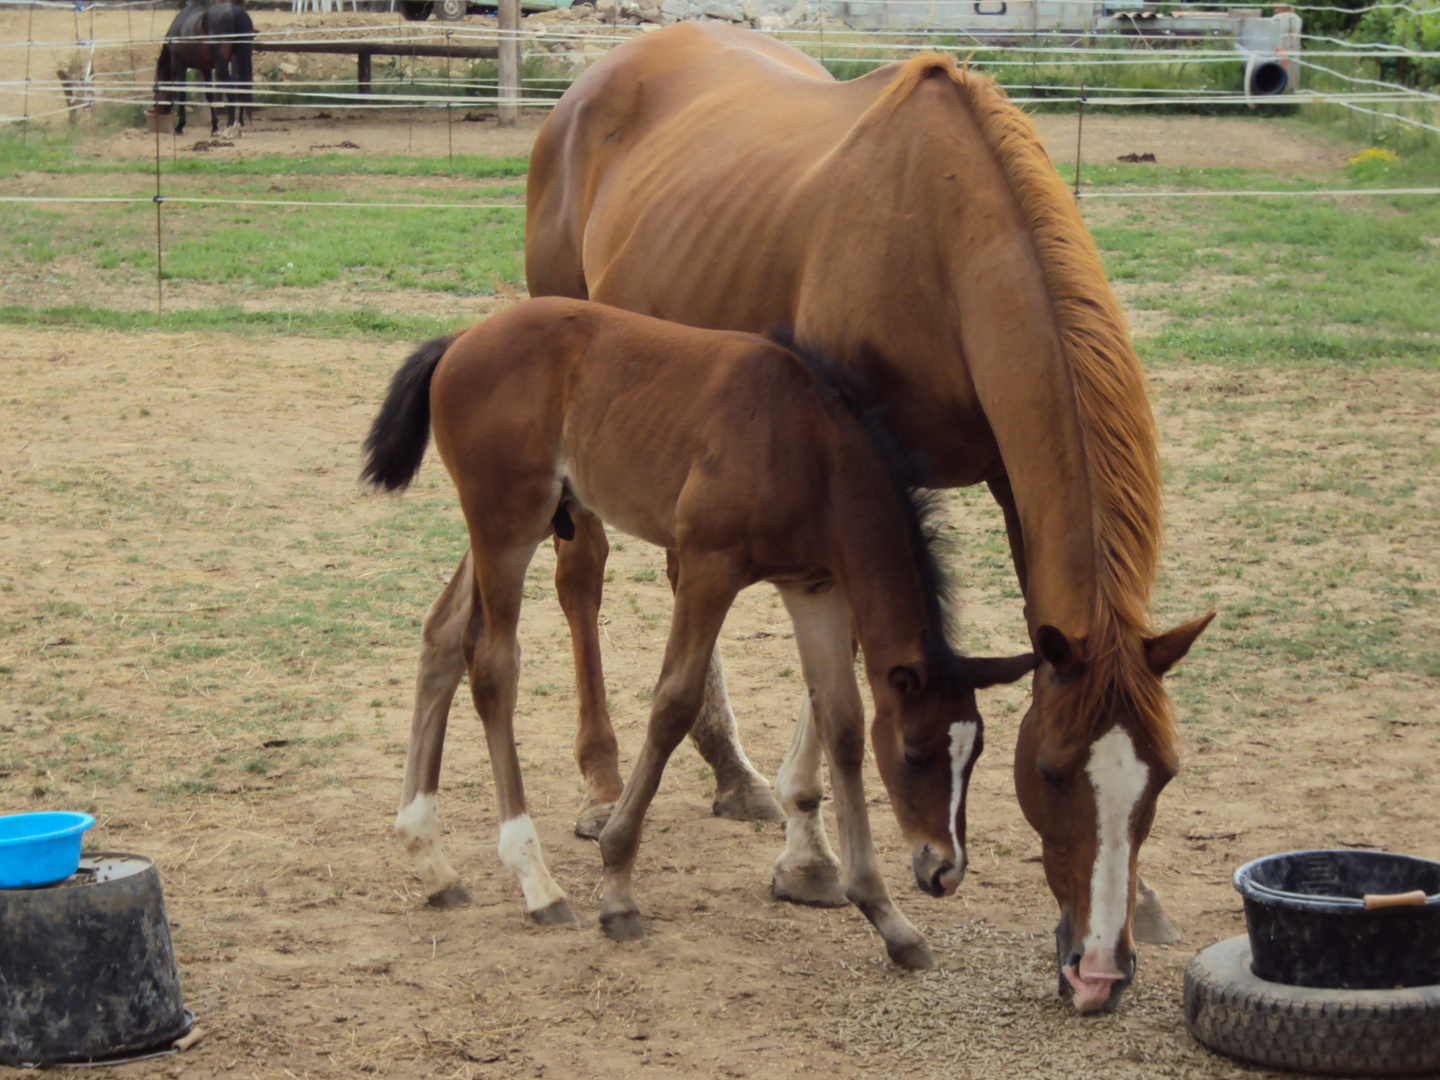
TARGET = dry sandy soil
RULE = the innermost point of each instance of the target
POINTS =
(181, 514)
(188, 571)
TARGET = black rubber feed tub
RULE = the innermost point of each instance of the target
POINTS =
(1343, 920)
(87, 971)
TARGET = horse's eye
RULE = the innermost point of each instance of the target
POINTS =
(914, 758)
(1050, 776)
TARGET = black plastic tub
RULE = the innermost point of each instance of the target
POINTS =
(87, 971)
(1343, 920)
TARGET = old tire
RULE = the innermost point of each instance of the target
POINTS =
(1354, 1032)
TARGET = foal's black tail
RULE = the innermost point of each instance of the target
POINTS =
(397, 439)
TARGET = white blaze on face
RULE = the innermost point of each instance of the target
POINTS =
(962, 744)
(520, 852)
(1118, 779)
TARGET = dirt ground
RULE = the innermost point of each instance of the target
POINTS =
(174, 503)
(208, 634)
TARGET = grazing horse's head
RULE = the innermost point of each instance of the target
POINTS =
(926, 739)
(1094, 752)
(164, 80)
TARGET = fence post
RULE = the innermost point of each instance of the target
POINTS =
(509, 96)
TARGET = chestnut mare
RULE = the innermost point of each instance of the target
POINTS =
(910, 223)
(750, 462)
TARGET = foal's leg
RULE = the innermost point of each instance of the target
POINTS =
(822, 632)
(741, 793)
(442, 663)
(704, 594)
(579, 582)
(807, 872)
(493, 651)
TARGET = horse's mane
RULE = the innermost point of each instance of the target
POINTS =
(906, 469)
(1118, 428)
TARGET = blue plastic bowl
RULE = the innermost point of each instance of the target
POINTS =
(40, 849)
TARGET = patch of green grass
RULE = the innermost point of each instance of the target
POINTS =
(286, 246)
(342, 322)
(1264, 280)
(65, 154)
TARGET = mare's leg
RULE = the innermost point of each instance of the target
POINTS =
(442, 663)
(210, 97)
(579, 582)
(1150, 925)
(182, 82)
(741, 793)
(822, 632)
(706, 589)
(807, 872)
(1005, 498)
(493, 652)
(221, 90)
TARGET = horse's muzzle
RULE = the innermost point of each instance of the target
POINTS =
(1096, 988)
(935, 874)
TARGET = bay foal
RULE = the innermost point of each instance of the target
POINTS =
(749, 461)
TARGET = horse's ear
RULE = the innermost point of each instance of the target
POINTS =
(986, 671)
(908, 681)
(1059, 650)
(1165, 651)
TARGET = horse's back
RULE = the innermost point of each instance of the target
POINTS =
(632, 411)
(659, 98)
(705, 176)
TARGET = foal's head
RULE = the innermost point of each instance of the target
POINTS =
(1094, 752)
(926, 739)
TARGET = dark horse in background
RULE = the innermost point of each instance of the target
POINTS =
(216, 41)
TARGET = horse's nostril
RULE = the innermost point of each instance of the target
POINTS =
(945, 880)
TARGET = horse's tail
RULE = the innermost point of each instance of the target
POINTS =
(398, 437)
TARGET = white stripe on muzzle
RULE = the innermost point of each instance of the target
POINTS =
(1118, 779)
(962, 743)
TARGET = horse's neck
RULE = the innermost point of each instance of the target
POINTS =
(875, 562)
(1024, 387)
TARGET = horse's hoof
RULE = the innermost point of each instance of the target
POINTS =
(622, 926)
(556, 914)
(747, 799)
(455, 896)
(816, 884)
(915, 957)
(592, 819)
(1150, 925)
